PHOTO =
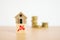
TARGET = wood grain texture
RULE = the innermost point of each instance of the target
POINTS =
(9, 33)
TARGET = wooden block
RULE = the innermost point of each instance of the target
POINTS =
(21, 34)
(20, 27)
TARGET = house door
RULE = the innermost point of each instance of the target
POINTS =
(20, 21)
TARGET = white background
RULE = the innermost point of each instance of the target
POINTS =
(46, 10)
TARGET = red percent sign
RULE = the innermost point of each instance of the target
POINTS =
(21, 28)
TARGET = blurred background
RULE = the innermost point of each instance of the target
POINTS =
(46, 10)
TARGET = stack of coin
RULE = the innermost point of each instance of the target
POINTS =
(34, 21)
(45, 24)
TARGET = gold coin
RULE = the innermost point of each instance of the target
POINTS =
(44, 24)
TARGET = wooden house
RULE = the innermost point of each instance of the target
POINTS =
(20, 18)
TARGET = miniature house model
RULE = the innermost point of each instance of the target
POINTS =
(20, 18)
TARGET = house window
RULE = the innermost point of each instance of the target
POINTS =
(21, 15)
(20, 21)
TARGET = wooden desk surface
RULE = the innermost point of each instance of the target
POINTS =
(9, 33)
